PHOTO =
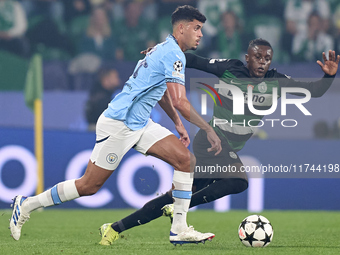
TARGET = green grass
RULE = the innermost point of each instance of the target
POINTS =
(76, 232)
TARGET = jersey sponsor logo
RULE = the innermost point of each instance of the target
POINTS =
(257, 98)
(262, 87)
(178, 66)
(111, 158)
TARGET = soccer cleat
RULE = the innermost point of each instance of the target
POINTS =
(168, 211)
(190, 236)
(103, 228)
(18, 217)
(109, 235)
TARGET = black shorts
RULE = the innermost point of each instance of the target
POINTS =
(209, 166)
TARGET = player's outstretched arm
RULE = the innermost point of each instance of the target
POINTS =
(329, 66)
(213, 66)
(181, 103)
(168, 107)
(319, 87)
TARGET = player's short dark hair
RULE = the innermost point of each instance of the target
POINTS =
(259, 41)
(187, 13)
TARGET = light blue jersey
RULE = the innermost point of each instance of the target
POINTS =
(146, 86)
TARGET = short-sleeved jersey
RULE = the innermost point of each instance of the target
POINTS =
(146, 86)
(234, 72)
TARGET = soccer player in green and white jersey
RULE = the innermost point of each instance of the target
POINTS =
(233, 138)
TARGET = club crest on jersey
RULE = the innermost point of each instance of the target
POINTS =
(178, 66)
(111, 158)
(262, 87)
(232, 155)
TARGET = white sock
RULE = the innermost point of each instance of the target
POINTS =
(182, 196)
(60, 193)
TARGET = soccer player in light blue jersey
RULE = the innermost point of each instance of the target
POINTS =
(126, 124)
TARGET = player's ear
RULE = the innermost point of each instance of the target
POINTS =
(246, 57)
(181, 27)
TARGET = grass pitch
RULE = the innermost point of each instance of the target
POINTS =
(55, 231)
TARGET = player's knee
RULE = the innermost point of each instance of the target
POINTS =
(242, 185)
(239, 185)
(232, 186)
(185, 161)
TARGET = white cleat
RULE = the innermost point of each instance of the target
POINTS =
(18, 217)
(190, 236)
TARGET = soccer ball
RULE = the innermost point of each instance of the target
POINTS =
(255, 231)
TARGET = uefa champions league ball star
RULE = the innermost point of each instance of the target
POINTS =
(255, 231)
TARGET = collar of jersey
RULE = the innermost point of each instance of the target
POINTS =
(172, 37)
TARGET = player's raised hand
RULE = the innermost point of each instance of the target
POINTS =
(330, 66)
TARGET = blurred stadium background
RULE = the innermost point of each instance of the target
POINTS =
(78, 40)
